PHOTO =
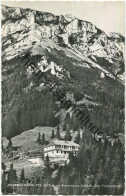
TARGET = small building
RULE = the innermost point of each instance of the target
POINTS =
(58, 150)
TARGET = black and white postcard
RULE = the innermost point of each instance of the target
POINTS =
(63, 111)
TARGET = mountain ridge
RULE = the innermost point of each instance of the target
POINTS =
(82, 36)
(72, 53)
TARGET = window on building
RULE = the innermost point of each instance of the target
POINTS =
(58, 146)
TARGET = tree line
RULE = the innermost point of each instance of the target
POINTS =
(68, 136)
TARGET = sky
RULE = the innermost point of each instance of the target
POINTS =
(106, 15)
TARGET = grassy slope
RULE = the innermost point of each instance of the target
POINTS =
(26, 141)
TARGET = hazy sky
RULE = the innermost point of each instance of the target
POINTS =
(107, 15)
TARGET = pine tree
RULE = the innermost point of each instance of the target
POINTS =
(68, 136)
(78, 138)
(39, 138)
(4, 183)
(47, 168)
(75, 126)
(9, 144)
(43, 139)
(67, 121)
(3, 166)
(47, 163)
(22, 176)
(53, 134)
(11, 167)
(58, 133)
(64, 127)
(12, 176)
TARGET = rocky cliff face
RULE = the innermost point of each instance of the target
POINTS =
(71, 50)
(22, 28)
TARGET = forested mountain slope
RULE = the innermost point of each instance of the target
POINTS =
(81, 59)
